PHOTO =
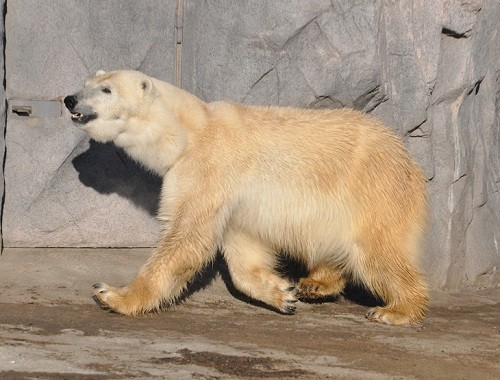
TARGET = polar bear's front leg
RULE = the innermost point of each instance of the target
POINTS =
(183, 252)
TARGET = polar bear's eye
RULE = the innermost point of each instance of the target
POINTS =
(106, 90)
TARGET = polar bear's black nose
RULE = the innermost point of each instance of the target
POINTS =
(70, 102)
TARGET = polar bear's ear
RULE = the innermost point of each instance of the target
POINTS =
(147, 86)
(100, 72)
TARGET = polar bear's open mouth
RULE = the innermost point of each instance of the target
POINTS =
(82, 119)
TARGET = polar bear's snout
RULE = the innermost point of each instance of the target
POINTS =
(70, 102)
(81, 114)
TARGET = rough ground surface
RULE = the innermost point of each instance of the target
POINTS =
(51, 329)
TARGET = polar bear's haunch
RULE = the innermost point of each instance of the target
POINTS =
(332, 188)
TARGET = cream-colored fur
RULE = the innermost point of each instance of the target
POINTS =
(334, 189)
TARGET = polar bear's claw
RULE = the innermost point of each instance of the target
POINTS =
(100, 296)
(289, 309)
(290, 299)
(100, 287)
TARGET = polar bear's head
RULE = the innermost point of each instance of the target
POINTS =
(108, 101)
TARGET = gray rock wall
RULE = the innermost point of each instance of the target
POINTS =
(429, 69)
(440, 70)
(61, 188)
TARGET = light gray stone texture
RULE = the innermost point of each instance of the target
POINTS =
(290, 53)
(62, 189)
(429, 69)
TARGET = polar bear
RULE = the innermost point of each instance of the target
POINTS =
(334, 189)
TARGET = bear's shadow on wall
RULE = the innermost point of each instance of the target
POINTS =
(108, 169)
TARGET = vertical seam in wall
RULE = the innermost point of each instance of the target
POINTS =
(4, 16)
(179, 23)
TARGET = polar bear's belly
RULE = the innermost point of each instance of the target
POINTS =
(309, 227)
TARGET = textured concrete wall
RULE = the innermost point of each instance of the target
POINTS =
(428, 69)
(62, 189)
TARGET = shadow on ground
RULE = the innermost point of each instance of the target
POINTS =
(287, 268)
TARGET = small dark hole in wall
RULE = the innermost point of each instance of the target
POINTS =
(21, 111)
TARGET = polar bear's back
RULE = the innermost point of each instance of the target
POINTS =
(314, 181)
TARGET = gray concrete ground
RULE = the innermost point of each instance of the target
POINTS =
(51, 329)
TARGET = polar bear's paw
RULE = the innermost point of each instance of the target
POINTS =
(115, 299)
(287, 302)
(311, 289)
(323, 281)
(392, 316)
